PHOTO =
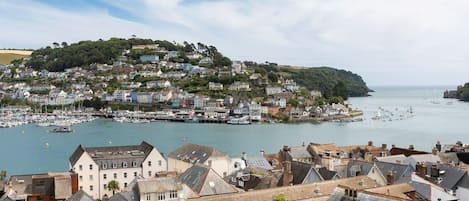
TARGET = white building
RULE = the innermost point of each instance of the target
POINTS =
(122, 96)
(96, 166)
(255, 113)
(273, 90)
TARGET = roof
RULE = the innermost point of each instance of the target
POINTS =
(327, 174)
(413, 159)
(405, 151)
(297, 192)
(396, 190)
(452, 176)
(299, 152)
(81, 196)
(339, 194)
(258, 162)
(159, 184)
(114, 154)
(194, 153)
(400, 158)
(203, 180)
(399, 171)
(125, 196)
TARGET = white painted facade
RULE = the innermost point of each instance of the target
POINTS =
(93, 179)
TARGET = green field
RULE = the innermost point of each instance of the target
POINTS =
(6, 58)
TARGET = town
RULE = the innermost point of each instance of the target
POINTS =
(304, 172)
(166, 81)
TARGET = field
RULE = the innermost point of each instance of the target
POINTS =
(6, 56)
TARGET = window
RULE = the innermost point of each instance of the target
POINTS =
(149, 163)
(91, 167)
(173, 194)
(161, 196)
(210, 163)
(81, 178)
(124, 164)
(125, 174)
(80, 167)
(115, 175)
(135, 174)
(81, 187)
(134, 164)
(104, 166)
(125, 185)
(114, 165)
(91, 187)
(104, 176)
(105, 186)
(159, 162)
(91, 177)
(149, 173)
(148, 195)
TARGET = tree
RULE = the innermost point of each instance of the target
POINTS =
(280, 197)
(64, 44)
(55, 44)
(113, 186)
(340, 90)
(3, 175)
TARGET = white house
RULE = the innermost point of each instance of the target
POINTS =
(96, 166)
(273, 90)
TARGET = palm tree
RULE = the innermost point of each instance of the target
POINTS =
(113, 186)
(55, 44)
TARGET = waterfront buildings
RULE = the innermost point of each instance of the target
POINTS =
(96, 166)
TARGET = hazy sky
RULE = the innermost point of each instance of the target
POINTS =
(388, 42)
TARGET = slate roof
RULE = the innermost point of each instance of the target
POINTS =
(339, 195)
(194, 153)
(81, 196)
(452, 176)
(399, 171)
(125, 196)
(160, 184)
(299, 152)
(114, 155)
(412, 160)
(258, 162)
(300, 171)
(313, 176)
(205, 181)
(5, 198)
(327, 174)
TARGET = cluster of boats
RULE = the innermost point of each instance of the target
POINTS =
(388, 115)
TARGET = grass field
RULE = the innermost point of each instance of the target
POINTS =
(6, 56)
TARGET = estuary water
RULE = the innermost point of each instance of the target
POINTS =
(23, 149)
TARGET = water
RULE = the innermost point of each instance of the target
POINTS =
(435, 119)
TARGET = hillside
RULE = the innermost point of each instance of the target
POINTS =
(462, 93)
(330, 81)
(323, 79)
(7, 56)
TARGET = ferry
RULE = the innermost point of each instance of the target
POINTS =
(239, 121)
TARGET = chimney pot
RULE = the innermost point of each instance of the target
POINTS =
(384, 146)
(411, 147)
(370, 143)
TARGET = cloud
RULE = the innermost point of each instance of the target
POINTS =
(375, 38)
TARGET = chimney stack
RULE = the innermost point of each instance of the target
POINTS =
(390, 178)
(435, 171)
(411, 147)
(370, 143)
(244, 155)
(421, 169)
(438, 146)
(384, 146)
(262, 152)
(287, 174)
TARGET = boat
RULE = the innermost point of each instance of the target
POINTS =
(239, 121)
(62, 129)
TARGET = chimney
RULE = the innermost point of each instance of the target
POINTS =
(262, 152)
(411, 147)
(285, 148)
(438, 146)
(287, 173)
(244, 155)
(390, 178)
(368, 157)
(421, 169)
(384, 146)
(435, 171)
(370, 143)
(393, 146)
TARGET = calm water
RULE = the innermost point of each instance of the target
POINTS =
(23, 148)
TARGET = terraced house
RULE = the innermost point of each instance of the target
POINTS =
(96, 166)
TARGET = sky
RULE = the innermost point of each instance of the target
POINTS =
(398, 42)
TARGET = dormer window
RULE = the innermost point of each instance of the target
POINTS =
(134, 164)
(104, 166)
(114, 165)
(124, 164)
